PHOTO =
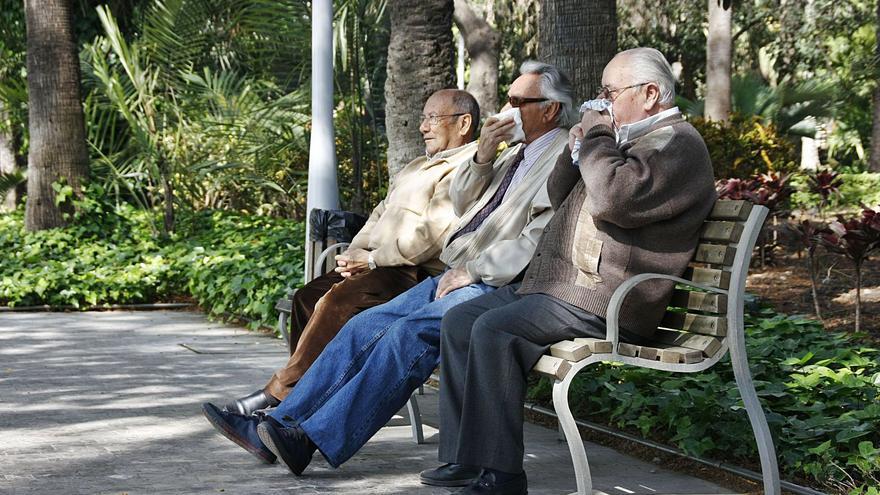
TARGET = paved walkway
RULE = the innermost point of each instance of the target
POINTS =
(108, 403)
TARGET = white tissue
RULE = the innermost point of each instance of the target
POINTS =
(513, 113)
(597, 105)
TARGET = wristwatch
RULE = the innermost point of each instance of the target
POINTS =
(371, 262)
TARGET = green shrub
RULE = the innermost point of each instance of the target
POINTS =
(745, 147)
(863, 188)
(821, 392)
(231, 264)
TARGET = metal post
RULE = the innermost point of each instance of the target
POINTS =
(323, 191)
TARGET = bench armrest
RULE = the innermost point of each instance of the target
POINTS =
(612, 315)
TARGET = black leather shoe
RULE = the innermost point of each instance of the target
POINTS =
(291, 445)
(240, 429)
(486, 485)
(249, 403)
(450, 475)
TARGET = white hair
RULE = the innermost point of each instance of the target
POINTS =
(555, 86)
(649, 65)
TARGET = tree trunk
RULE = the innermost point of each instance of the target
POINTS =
(56, 125)
(8, 163)
(483, 45)
(579, 37)
(420, 62)
(874, 165)
(718, 56)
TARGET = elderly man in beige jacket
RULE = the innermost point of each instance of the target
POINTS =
(381, 355)
(396, 249)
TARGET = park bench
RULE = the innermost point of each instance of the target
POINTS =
(704, 322)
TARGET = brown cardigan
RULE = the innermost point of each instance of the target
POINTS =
(626, 210)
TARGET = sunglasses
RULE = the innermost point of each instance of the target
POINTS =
(518, 101)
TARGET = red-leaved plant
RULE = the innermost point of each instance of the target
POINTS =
(770, 190)
(855, 238)
(825, 183)
(809, 235)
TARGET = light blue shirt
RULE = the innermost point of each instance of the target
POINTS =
(531, 154)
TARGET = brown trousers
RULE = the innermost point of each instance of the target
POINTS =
(325, 304)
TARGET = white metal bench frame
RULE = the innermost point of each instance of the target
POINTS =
(734, 342)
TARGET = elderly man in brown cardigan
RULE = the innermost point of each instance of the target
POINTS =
(633, 204)
(396, 249)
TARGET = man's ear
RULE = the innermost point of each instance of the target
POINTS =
(652, 96)
(467, 125)
(552, 111)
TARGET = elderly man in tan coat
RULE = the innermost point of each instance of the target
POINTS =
(381, 355)
(396, 249)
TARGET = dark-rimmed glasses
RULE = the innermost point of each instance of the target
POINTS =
(434, 119)
(518, 101)
(605, 92)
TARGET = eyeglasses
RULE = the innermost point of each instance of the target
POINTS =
(518, 101)
(605, 92)
(434, 119)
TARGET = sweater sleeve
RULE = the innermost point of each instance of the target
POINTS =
(638, 185)
(420, 233)
(501, 262)
(471, 180)
(562, 179)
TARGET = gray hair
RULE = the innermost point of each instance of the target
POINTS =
(555, 86)
(649, 65)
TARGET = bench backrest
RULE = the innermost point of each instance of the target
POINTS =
(695, 331)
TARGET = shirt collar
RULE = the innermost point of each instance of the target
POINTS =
(533, 150)
(628, 132)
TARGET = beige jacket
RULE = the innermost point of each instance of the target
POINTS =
(502, 246)
(408, 227)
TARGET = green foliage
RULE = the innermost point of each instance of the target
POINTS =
(745, 147)
(232, 264)
(821, 392)
(855, 189)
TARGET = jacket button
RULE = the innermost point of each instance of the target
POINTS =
(538, 255)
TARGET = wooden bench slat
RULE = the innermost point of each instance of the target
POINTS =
(689, 322)
(716, 254)
(706, 344)
(597, 346)
(729, 209)
(713, 277)
(630, 350)
(680, 355)
(721, 231)
(699, 301)
(570, 351)
(552, 367)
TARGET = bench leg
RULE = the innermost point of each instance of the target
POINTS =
(757, 418)
(572, 435)
(415, 419)
(282, 329)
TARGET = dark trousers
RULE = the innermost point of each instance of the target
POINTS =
(488, 346)
(325, 304)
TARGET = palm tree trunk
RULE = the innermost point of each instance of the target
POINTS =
(7, 163)
(420, 61)
(874, 165)
(718, 56)
(483, 46)
(56, 126)
(579, 37)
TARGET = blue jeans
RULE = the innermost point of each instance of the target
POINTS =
(367, 373)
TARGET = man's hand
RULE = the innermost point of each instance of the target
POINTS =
(593, 118)
(352, 261)
(576, 132)
(492, 134)
(455, 278)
